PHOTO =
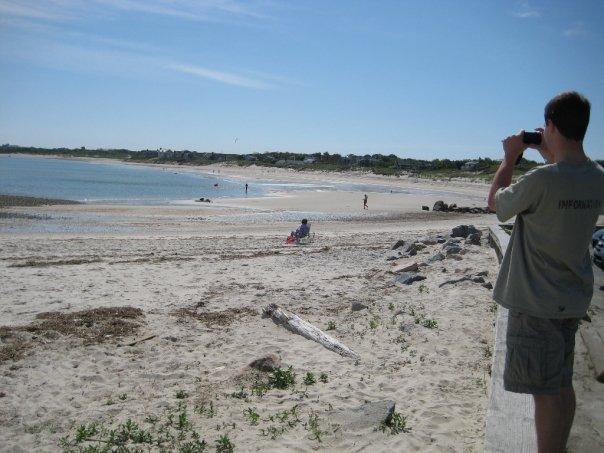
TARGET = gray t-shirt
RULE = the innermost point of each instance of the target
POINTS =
(546, 271)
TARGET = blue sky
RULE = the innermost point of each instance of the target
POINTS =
(424, 79)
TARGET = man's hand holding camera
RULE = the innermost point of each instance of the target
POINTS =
(513, 147)
(547, 155)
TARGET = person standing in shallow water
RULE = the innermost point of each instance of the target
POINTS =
(246, 188)
(365, 202)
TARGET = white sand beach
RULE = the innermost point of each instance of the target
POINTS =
(200, 274)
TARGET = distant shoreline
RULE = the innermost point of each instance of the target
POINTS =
(477, 169)
(272, 172)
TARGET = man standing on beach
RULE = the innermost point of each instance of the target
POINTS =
(246, 188)
(546, 277)
(365, 202)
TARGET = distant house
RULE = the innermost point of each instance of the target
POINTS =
(471, 165)
(309, 160)
(168, 154)
(147, 153)
(288, 163)
(181, 155)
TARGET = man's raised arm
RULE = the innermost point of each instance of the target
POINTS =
(513, 146)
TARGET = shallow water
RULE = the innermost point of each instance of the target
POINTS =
(121, 183)
(110, 182)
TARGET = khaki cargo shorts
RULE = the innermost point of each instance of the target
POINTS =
(540, 354)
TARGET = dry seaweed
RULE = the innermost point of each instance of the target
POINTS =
(222, 318)
(153, 260)
(16, 200)
(259, 254)
(14, 346)
(64, 262)
(93, 326)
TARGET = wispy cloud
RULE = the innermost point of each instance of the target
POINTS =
(277, 80)
(525, 11)
(201, 10)
(83, 53)
(44, 35)
(186, 9)
(575, 29)
(33, 10)
(219, 76)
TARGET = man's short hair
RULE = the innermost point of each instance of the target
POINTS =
(304, 221)
(569, 111)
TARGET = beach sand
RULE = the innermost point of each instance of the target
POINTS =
(200, 276)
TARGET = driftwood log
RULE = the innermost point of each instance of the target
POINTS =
(297, 325)
(140, 340)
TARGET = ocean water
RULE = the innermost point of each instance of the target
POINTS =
(121, 183)
(110, 182)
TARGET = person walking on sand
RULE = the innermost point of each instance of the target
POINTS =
(546, 277)
(365, 202)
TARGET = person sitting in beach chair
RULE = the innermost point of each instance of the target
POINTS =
(303, 230)
(302, 233)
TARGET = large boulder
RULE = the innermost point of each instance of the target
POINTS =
(463, 231)
(411, 249)
(440, 206)
(473, 239)
(428, 240)
(407, 266)
(399, 243)
(407, 278)
(451, 241)
(452, 250)
(436, 257)
(460, 231)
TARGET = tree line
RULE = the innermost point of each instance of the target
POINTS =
(377, 163)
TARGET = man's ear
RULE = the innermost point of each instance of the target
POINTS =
(553, 127)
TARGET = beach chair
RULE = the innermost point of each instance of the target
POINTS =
(309, 239)
(291, 240)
